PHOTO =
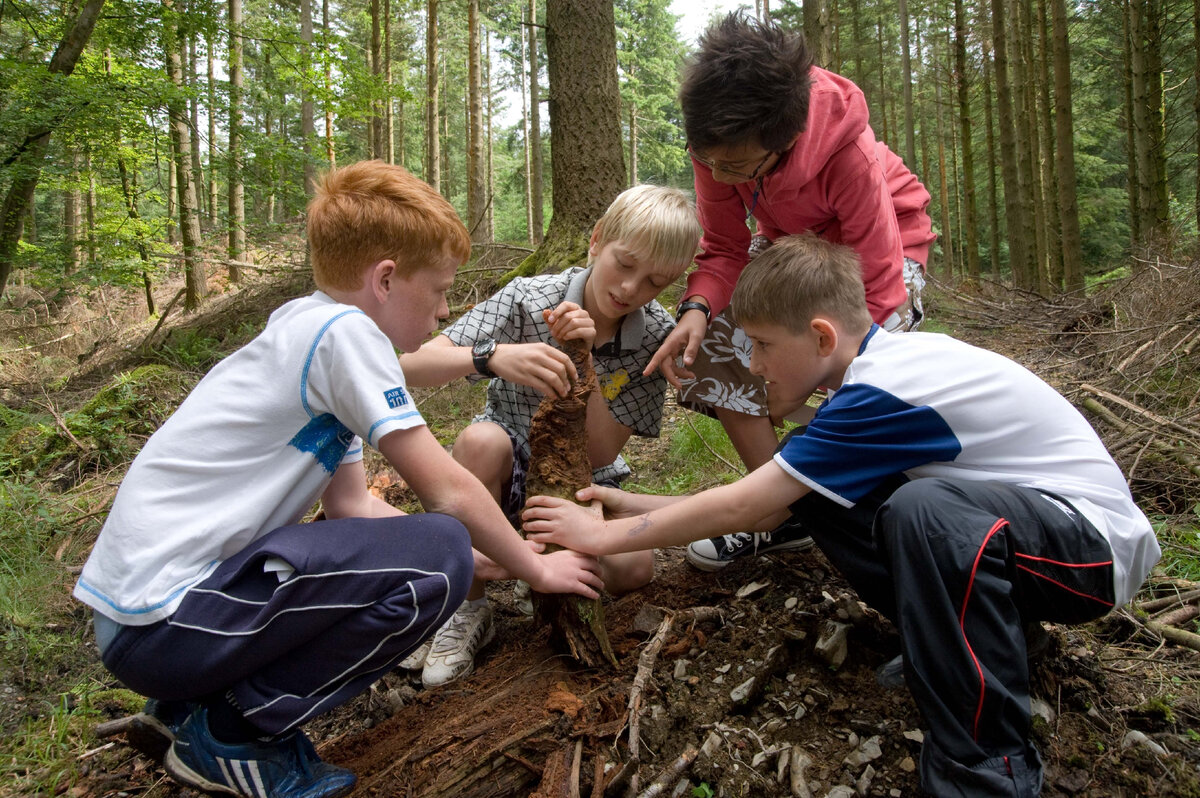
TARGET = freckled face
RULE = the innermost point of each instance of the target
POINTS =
(790, 362)
(622, 280)
(417, 302)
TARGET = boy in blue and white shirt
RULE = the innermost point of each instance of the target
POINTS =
(211, 598)
(961, 496)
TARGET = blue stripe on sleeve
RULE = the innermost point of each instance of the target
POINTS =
(863, 435)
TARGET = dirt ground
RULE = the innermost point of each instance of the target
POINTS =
(741, 696)
(735, 701)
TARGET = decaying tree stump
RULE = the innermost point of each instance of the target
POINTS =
(559, 466)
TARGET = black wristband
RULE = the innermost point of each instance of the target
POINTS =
(684, 307)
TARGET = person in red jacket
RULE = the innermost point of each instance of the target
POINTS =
(774, 138)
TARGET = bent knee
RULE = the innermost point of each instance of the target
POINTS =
(624, 573)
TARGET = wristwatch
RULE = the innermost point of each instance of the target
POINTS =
(684, 307)
(481, 353)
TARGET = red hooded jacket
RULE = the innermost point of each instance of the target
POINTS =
(838, 182)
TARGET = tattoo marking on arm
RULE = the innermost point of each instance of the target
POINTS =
(641, 526)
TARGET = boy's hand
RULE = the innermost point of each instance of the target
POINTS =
(684, 339)
(548, 519)
(569, 322)
(569, 571)
(547, 370)
(488, 570)
(614, 502)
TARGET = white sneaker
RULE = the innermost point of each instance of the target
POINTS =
(455, 644)
(523, 598)
(416, 660)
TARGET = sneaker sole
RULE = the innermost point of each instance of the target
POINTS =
(185, 775)
(709, 564)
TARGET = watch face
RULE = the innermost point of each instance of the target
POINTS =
(484, 348)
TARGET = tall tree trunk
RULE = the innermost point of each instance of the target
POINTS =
(883, 109)
(389, 111)
(993, 167)
(172, 195)
(192, 81)
(330, 154)
(477, 198)
(525, 31)
(1025, 77)
(1157, 124)
(970, 224)
(189, 219)
(946, 239)
(210, 74)
(131, 206)
(72, 253)
(433, 155)
(1133, 95)
(1014, 202)
(633, 145)
(25, 164)
(585, 127)
(237, 192)
(487, 134)
(535, 125)
(910, 147)
(308, 126)
(1064, 151)
(816, 31)
(89, 206)
(376, 146)
(1050, 219)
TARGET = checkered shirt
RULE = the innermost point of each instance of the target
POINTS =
(514, 315)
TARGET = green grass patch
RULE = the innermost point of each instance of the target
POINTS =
(1179, 537)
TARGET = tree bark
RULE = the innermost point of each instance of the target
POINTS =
(910, 147)
(189, 219)
(1013, 201)
(308, 127)
(1050, 220)
(237, 193)
(535, 127)
(433, 156)
(213, 194)
(970, 211)
(559, 466)
(585, 130)
(330, 153)
(477, 199)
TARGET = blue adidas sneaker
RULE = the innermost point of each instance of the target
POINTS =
(152, 730)
(285, 768)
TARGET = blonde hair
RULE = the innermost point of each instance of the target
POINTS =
(371, 211)
(657, 222)
(799, 278)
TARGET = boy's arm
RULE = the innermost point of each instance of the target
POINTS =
(767, 491)
(347, 496)
(444, 486)
(537, 365)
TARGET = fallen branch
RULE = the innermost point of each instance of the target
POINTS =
(1165, 449)
(145, 344)
(646, 662)
(1178, 616)
(1179, 636)
(1154, 605)
(1141, 411)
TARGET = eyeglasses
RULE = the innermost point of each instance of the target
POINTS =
(729, 168)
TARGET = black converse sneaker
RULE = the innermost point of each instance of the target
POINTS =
(714, 554)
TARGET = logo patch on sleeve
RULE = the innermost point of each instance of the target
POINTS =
(396, 397)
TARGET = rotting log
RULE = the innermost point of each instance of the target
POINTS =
(559, 466)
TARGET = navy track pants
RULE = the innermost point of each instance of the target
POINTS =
(363, 594)
(959, 567)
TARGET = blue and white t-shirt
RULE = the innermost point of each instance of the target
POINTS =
(927, 405)
(250, 450)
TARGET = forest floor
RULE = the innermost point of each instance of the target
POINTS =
(758, 680)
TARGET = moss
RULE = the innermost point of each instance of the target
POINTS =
(555, 254)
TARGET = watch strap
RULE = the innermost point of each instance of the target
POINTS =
(684, 307)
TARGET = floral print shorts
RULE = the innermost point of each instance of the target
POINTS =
(722, 367)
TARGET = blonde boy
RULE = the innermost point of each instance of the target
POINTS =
(961, 495)
(210, 597)
(645, 241)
